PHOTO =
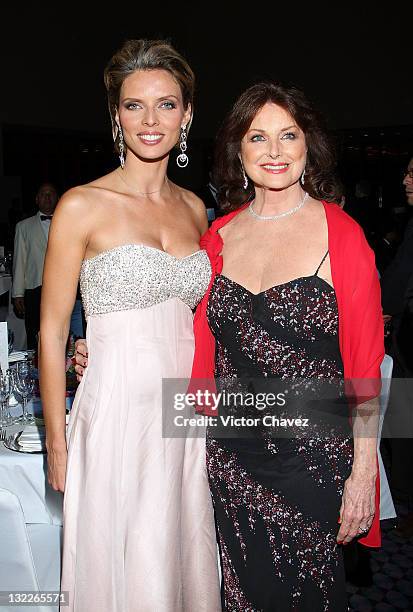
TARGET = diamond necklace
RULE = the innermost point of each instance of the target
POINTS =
(275, 217)
(144, 193)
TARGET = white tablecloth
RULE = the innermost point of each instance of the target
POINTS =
(34, 550)
(25, 475)
(5, 283)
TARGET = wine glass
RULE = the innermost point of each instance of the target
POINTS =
(24, 384)
(10, 339)
(6, 387)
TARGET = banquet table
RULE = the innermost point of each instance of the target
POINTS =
(30, 527)
(24, 474)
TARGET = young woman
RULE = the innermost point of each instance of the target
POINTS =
(138, 520)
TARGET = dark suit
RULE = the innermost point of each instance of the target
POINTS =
(397, 294)
(396, 277)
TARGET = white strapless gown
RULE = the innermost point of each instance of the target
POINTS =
(139, 532)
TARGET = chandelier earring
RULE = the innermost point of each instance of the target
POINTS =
(182, 160)
(244, 176)
(121, 147)
(302, 179)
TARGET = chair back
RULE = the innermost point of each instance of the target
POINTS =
(17, 571)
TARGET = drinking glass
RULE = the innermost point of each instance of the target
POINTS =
(24, 384)
(6, 387)
(10, 338)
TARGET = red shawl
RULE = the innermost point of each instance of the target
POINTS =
(357, 289)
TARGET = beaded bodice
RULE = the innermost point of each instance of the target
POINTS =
(288, 330)
(135, 276)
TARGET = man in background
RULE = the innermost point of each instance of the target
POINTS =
(397, 300)
(30, 245)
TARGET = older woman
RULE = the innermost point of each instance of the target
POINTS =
(294, 296)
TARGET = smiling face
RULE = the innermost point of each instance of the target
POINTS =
(151, 113)
(408, 183)
(274, 150)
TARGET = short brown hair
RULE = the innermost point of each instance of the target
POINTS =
(321, 160)
(144, 54)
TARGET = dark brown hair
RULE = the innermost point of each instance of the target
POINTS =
(321, 161)
(145, 55)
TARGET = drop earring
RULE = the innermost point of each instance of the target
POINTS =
(182, 160)
(244, 176)
(121, 147)
(302, 179)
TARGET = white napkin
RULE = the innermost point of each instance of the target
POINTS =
(32, 438)
(17, 356)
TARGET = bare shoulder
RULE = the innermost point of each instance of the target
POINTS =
(311, 214)
(192, 200)
(313, 205)
(76, 212)
(73, 202)
(196, 206)
(84, 199)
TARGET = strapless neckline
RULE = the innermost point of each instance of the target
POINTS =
(135, 276)
(140, 246)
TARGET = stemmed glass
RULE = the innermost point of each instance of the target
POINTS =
(10, 338)
(24, 384)
(6, 387)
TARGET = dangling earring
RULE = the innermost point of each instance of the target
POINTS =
(302, 177)
(182, 160)
(244, 176)
(121, 147)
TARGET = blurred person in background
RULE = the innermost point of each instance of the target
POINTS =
(30, 244)
(361, 206)
(397, 299)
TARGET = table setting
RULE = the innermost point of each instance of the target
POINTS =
(30, 510)
(22, 441)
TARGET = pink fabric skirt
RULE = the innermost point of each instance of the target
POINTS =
(139, 532)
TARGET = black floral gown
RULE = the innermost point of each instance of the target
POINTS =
(277, 498)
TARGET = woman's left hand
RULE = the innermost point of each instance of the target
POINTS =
(357, 506)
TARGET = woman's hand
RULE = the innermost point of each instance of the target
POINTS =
(56, 468)
(81, 355)
(357, 506)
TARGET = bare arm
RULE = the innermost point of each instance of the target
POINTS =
(358, 503)
(65, 251)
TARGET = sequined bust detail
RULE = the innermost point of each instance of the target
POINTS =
(134, 276)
